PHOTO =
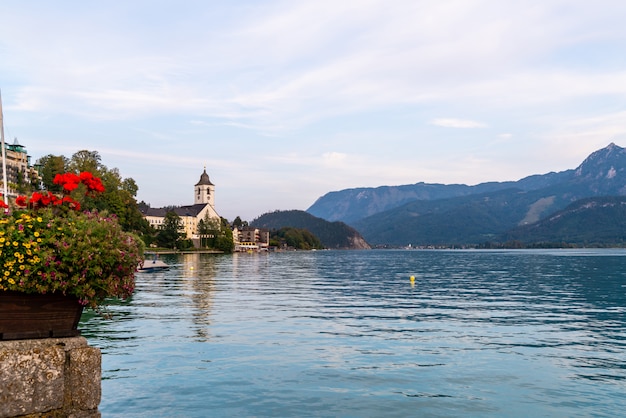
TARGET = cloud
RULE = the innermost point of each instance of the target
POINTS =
(334, 158)
(286, 65)
(168, 86)
(458, 123)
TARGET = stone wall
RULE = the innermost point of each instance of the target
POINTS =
(52, 377)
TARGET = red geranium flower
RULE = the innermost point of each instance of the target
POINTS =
(21, 201)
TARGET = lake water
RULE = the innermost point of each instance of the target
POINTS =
(344, 333)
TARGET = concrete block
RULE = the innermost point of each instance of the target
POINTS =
(51, 377)
(84, 376)
(31, 380)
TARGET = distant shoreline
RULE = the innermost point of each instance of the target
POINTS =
(157, 252)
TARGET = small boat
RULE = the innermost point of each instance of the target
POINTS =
(153, 265)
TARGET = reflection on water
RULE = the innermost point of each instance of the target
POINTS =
(332, 333)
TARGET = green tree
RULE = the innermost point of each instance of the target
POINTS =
(86, 161)
(238, 223)
(224, 241)
(49, 166)
(168, 233)
(130, 186)
(216, 234)
(208, 230)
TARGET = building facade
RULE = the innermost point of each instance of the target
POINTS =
(19, 170)
(248, 238)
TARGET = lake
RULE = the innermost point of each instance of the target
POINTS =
(346, 334)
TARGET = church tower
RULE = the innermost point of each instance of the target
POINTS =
(204, 190)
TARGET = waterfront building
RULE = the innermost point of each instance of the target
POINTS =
(248, 238)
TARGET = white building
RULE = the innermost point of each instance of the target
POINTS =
(202, 209)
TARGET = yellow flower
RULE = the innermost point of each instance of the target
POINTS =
(36, 234)
(39, 219)
(11, 281)
(6, 273)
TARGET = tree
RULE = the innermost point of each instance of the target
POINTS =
(216, 234)
(208, 230)
(49, 166)
(238, 223)
(130, 186)
(168, 234)
(224, 241)
(85, 161)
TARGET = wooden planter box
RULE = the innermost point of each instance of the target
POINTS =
(27, 316)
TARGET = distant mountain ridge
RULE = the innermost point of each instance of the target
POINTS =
(429, 214)
(351, 205)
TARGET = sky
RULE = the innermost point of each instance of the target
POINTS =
(285, 101)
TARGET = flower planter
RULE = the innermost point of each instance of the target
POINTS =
(26, 316)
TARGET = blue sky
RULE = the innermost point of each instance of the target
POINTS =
(284, 101)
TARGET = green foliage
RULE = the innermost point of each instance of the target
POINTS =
(238, 223)
(225, 243)
(168, 235)
(83, 254)
(49, 166)
(216, 234)
(300, 239)
(184, 244)
(86, 161)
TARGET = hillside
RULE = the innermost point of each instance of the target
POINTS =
(332, 234)
(586, 222)
(477, 217)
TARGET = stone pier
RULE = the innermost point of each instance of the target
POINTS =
(51, 378)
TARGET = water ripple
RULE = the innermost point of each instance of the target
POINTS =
(332, 333)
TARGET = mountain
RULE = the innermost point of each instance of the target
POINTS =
(351, 205)
(586, 222)
(459, 214)
(331, 234)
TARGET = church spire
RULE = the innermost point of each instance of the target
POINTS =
(204, 190)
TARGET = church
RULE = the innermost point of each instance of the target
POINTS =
(203, 208)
